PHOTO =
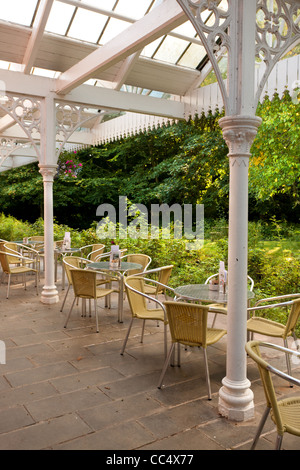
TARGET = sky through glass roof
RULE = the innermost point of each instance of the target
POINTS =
(96, 22)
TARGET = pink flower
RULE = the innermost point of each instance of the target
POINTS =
(79, 164)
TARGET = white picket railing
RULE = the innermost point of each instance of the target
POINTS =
(285, 76)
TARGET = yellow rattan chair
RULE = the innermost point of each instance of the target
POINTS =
(274, 329)
(285, 413)
(7, 260)
(164, 274)
(137, 299)
(188, 326)
(84, 284)
(143, 260)
(94, 251)
(71, 262)
(30, 255)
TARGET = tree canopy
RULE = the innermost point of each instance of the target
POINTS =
(184, 163)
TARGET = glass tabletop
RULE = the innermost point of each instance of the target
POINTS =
(125, 265)
(204, 293)
(66, 250)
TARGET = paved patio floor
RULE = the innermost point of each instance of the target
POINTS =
(70, 389)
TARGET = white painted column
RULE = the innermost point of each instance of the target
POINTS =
(48, 165)
(49, 292)
(235, 396)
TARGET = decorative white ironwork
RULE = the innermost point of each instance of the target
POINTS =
(211, 23)
(277, 30)
(8, 146)
(68, 118)
(26, 111)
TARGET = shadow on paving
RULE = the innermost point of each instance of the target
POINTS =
(70, 389)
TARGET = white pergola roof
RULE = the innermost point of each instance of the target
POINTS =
(125, 51)
(112, 55)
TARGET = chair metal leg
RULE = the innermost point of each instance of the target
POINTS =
(163, 372)
(65, 326)
(260, 427)
(278, 442)
(143, 331)
(207, 373)
(8, 285)
(178, 355)
(96, 313)
(165, 340)
(126, 338)
(65, 298)
(36, 280)
(288, 361)
(214, 320)
(83, 307)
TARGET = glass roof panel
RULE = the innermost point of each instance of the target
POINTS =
(150, 49)
(186, 29)
(171, 50)
(107, 4)
(87, 25)
(14, 11)
(135, 10)
(44, 72)
(193, 56)
(113, 28)
(59, 18)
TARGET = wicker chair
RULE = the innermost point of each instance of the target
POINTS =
(95, 251)
(30, 255)
(137, 299)
(7, 260)
(188, 326)
(144, 260)
(84, 283)
(285, 413)
(274, 329)
(71, 262)
(164, 274)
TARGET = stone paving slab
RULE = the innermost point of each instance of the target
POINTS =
(70, 389)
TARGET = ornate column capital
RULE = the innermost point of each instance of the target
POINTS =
(239, 133)
(48, 172)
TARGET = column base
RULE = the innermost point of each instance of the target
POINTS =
(236, 400)
(49, 295)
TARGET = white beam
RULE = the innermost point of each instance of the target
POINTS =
(6, 122)
(159, 21)
(37, 34)
(102, 98)
(122, 101)
(125, 70)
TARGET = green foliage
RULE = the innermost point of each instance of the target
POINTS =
(275, 163)
(274, 264)
(185, 162)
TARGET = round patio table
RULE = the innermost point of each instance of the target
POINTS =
(120, 271)
(202, 292)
